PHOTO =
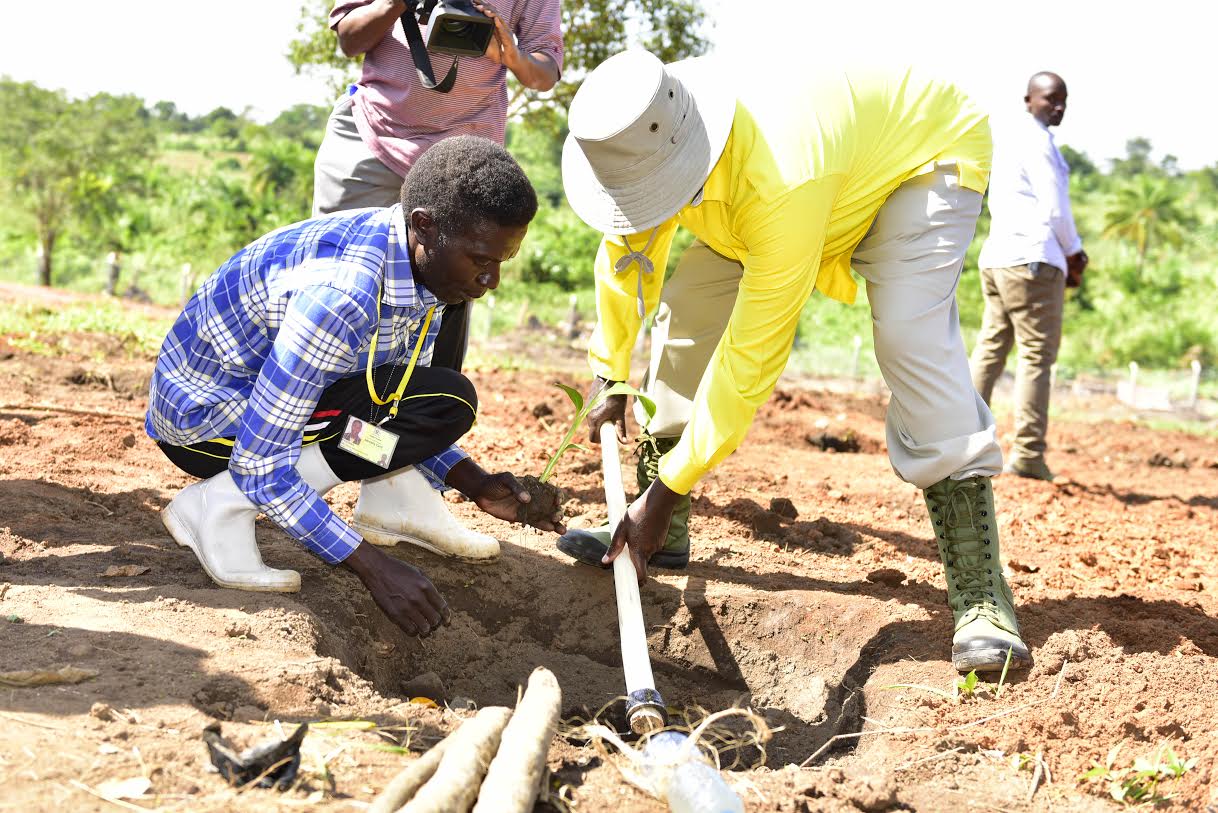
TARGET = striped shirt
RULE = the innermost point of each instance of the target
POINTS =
(398, 118)
(281, 320)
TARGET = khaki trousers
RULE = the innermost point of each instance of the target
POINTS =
(1022, 307)
(937, 424)
(346, 175)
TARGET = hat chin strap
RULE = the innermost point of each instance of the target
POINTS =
(646, 266)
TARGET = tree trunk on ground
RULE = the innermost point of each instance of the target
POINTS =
(44, 260)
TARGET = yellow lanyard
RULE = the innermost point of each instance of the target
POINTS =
(396, 397)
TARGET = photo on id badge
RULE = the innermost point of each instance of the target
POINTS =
(368, 441)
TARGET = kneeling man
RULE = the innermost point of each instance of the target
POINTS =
(303, 362)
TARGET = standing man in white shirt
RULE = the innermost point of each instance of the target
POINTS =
(1033, 253)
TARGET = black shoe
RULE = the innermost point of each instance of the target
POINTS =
(590, 546)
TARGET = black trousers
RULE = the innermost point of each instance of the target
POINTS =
(452, 338)
(437, 409)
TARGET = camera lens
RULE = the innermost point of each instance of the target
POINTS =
(456, 28)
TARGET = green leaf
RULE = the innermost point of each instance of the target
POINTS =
(622, 388)
(575, 395)
(1095, 773)
(579, 446)
(969, 684)
(1002, 679)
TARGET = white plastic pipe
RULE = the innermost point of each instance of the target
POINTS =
(636, 662)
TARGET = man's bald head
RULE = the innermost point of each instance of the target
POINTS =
(1046, 98)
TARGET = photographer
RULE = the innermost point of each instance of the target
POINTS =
(378, 130)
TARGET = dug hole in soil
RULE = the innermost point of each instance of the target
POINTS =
(814, 591)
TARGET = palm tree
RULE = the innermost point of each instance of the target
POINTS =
(1147, 210)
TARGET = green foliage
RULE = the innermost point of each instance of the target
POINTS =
(1147, 210)
(594, 30)
(315, 51)
(1138, 784)
(967, 686)
(51, 331)
(582, 409)
(64, 161)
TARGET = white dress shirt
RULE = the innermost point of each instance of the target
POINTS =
(1029, 200)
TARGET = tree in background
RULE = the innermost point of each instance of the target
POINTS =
(1136, 161)
(1147, 211)
(66, 161)
(593, 30)
(282, 174)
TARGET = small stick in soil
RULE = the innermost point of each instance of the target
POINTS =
(454, 785)
(408, 781)
(1037, 772)
(100, 413)
(514, 777)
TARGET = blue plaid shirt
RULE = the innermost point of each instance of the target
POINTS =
(280, 321)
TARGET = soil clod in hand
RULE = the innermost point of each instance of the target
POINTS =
(547, 500)
(826, 442)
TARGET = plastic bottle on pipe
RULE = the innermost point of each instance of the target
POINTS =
(690, 786)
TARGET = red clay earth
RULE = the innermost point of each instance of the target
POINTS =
(811, 619)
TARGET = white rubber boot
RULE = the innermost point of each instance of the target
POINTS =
(403, 507)
(216, 521)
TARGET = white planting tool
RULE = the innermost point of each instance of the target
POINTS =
(644, 706)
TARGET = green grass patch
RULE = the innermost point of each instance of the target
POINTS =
(69, 327)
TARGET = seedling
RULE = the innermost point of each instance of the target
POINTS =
(968, 687)
(547, 499)
(1002, 679)
(581, 413)
(1139, 784)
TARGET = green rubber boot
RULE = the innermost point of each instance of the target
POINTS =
(966, 530)
(589, 546)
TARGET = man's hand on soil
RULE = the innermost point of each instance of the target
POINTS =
(500, 495)
(402, 592)
(611, 410)
(644, 527)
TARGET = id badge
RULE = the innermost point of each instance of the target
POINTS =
(368, 441)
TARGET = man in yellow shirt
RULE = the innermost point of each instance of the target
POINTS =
(786, 185)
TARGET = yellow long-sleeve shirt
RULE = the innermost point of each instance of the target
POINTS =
(806, 168)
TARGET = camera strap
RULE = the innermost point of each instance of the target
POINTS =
(422, 62)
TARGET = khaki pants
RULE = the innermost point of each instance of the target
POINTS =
(1022, 307)
(346, 175)
(938, 427)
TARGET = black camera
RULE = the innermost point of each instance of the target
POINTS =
(457, 27)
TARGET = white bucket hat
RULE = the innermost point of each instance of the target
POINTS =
(644, 136)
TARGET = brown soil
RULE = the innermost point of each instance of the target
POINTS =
(812, 618)
(546, 500)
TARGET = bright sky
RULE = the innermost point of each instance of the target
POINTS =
(1133, 68)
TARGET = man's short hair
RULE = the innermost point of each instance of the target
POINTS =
(465, 181)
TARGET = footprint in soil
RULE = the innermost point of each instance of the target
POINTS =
(547, 500)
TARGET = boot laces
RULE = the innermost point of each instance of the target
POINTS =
(650, 449)
(966, 547)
